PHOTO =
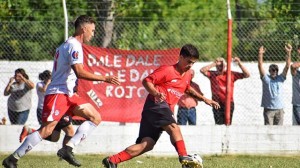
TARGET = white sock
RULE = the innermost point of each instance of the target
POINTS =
(31, 141)
(81, 133)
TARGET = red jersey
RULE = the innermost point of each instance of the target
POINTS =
(218, 85)
(169, 81)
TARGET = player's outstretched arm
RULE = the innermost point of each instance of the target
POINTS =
(192, 92)
(83, 74)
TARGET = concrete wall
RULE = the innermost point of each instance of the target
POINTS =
(204, 140)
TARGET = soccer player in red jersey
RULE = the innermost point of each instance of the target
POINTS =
(165, 86)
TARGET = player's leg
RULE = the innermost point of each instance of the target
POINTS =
(50, 119)
(93, 119)
(29, 143)
(25, 132)
(148, 135)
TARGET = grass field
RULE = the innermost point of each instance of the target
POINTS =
(232, 161)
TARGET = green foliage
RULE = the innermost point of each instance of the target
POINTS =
(32, 29)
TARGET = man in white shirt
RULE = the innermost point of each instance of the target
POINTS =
(60, 100)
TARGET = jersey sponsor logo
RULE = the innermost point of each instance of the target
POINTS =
(75, 54)
(174, 81)
(175, 92)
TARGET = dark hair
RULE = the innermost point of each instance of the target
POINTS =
(274, 67)
(188, 50)
(21, 71)
(45, 75)
(82, 19)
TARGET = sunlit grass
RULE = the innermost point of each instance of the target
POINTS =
(216, 161)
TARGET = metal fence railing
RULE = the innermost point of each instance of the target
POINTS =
(36, 41)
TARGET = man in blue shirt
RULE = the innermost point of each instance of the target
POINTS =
(272, 85)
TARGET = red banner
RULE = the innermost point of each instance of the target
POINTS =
(121, 103)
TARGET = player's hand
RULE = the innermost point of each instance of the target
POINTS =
(159, 97)
(112, 80)
(212, 103)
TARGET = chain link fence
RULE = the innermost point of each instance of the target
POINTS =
(31, 45)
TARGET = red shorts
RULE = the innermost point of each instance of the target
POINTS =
(57, 105)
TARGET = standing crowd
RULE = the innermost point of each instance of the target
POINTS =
(168, 86)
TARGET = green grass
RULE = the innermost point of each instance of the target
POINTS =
(223, 161)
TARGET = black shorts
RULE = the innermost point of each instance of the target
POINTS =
(154, 117)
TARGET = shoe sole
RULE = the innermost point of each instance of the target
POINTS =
(192, 164)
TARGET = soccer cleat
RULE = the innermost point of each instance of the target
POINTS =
(67, 154)
(25, 131)
(108, 164)
(9, 163)
(189, 162)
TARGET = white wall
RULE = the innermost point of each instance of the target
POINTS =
(201, 139)
(247, 93)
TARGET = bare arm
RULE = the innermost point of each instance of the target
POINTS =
(288, 49)
(243, 68)
(261, 52)
(27, 82)
(43, 89)
(205, 69)
(7, 88)
(83, 74)
(150, 87)
(192, 92)
(295, 65)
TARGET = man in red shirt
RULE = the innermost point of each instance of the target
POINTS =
(165, 86)
(187, 106)
(218, 85)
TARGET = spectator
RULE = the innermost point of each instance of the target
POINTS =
(41, 87)
(272, 88)
(19, 102)
(296, 89)
(218, 82)
(187, 105)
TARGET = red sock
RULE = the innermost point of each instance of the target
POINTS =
(120, 157)
(180, 148)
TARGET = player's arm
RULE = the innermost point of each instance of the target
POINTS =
(192, 92)
(288, 49)
(81, 73)
(150, 87)
(261, 52)
(295, 65)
